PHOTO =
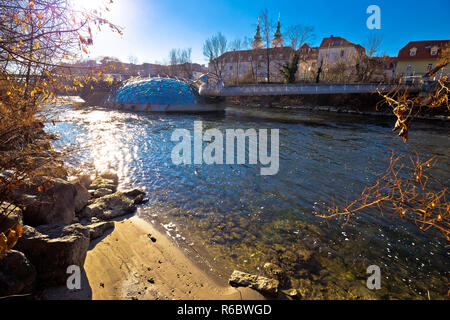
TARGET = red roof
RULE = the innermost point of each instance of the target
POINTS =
(247, 55)
(423, 49)
(333, 41)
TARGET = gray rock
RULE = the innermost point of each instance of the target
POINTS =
(54, 204)
(140, 200)
(85, 180)
(110, 176)
(133, 193)
(274, 271)
(17, 274)
(261, 284)
(13, 215)
(53, 248)
(109, 207)
(102, 183)
(82, 196)
(98, 229)
(292, 293)
(101, 192)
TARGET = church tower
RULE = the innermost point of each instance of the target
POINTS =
(277, 42)
(257, 44)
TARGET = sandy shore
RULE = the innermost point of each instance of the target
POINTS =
(127, 264)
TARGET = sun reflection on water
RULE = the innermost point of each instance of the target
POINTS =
(108, 142)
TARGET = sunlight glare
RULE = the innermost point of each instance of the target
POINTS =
(87, 5)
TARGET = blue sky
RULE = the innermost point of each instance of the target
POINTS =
(153, 27)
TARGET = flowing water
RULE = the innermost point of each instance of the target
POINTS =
(230, 217)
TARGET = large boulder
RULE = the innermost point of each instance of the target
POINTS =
(137, 195)
(109, 207)
(53, 248)
(133, 193)
(274, 271)
(101, 192)
(261, 284)
(105, 181)
(10, 216)
(85, 180)
(97, 230)
(111, 176)
(82, 196)
(48, 202)
(17, 274)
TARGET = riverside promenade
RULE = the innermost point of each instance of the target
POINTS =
(299, 89)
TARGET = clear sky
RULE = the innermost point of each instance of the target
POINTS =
(153, 27)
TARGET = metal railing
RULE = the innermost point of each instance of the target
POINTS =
(300, 89)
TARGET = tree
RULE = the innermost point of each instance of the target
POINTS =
(267, 27)
(213, 48)
(289, 70)
(180, 63)
(37, 36)
(319, 72)
(367, 64)
(373, 44)
(299, 34)
(237, 45)
(409, 190)
(37, 40)
(133, 60)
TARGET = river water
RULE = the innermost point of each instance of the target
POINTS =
(231, 217)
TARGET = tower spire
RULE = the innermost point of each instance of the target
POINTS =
(277, 42)
(257, 44)
(278, 34)
(258, 32)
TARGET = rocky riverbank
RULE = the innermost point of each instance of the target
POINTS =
(89, 224)
(59, 220)
(361, 104)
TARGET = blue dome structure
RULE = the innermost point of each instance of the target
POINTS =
(158, 91)
(162, 95)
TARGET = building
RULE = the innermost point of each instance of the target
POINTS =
(339, 58)
(417, 58)
(307, 66)
(382, 68)
(256, 65)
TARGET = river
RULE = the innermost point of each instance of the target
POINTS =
(231, 217)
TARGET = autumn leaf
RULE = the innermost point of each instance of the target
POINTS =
(13, 236)
(8, 242)
(3, 244)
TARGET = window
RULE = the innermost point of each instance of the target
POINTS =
(413, 52)
(231, 59)
(260, 57)
(231, 68)
(342, 53)
(408, 67)
(434, 51)
(224, 60)
(281, 56)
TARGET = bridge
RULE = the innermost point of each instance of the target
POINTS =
(297, 89)
(170, 94)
